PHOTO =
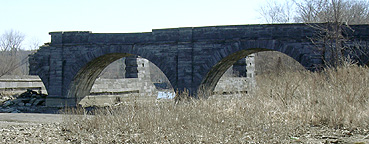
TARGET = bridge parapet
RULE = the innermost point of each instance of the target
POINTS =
(214, 33)
(296, 32)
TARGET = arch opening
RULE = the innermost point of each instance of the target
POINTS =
(99, 78)
(211, 79)
(86, 76)
(268, 62)
(264, 61)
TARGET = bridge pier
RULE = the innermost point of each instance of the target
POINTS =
(239, 68)
(245, 67)
(55, 80)
(131, 67)
(185, 68)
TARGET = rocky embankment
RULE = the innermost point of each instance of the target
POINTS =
(29, 101)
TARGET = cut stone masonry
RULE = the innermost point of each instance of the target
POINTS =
(192, 58)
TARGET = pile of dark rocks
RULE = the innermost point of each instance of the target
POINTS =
(29, 101)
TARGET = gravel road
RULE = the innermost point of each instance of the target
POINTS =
(28, 118)
(31, 128)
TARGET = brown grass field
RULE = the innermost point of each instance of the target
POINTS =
(285, 108)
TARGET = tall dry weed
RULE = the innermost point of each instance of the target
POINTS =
(337, 97)
(283, 106)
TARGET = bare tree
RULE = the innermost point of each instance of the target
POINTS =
(357, 13)
(337, 14)
(34, 44)
(10, 44)
(11, 41)
(316, 11)
(344, 11)
(276, 12)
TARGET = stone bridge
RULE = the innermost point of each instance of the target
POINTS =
(192, 58)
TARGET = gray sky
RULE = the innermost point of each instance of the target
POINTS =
(36, 18)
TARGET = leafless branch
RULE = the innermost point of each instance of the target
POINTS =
(10, 44)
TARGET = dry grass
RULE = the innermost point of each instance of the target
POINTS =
(335, 97)
(6, 95)
(284, 106)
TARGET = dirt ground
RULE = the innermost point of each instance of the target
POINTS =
(30, 128)
(28, 118)
(47, 128)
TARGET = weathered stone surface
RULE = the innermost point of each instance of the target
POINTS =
(8, 110)
(20, 104)
(25, 102)
(7, 103)
(191, 58)
(38, 102)
(32, 101)
(18, 84)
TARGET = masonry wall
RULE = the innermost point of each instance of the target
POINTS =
(190, 57)
(19, 84)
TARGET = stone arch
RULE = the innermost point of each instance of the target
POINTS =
(87, 67)
(223, 58)
(86, 76)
